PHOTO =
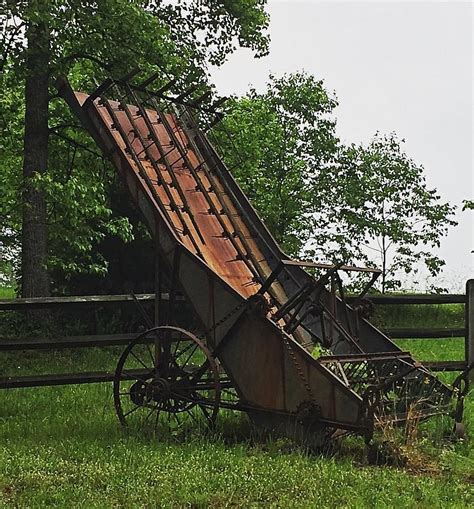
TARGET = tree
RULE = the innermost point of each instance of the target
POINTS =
(43, 38)
(323, 200)
(382, 211)
(280, 140)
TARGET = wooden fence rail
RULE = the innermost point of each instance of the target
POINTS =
(99, 301)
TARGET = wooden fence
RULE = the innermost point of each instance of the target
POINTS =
(99, 301)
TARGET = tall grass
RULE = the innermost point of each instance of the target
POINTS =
(419, 315)
(63, 447)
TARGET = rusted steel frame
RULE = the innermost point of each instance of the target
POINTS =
(445, 365)
(158, 282)
(296, 322)
(342, 373)
(165, 353)
(292, 322)
(317, 288)
(201, 99)
(304, 292)
(270, 279)
(341, 328)
(266, 237)
(317, 265)
(343, 299)
(366, 288)
(245, 407)
(159, 94)
(386, 383)
(180, 98)
(244, 256)
(146, 148)
(361, 357)
(229, 215)
(300, 296)
(200, 185)
(241, 255)
(145, 176)
(149, 80)
(244, 205)
(100, 90)
(174, 284)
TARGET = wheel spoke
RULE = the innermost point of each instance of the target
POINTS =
(190, 355)
(153, 360)
(206, 413)
(157, 418)
(184, 351)
(131, 411)
(151, 411)
(199, 372)
(189, 380)
(176, 347)
(139, 360)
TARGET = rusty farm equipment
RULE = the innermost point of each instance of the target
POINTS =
(261, 314)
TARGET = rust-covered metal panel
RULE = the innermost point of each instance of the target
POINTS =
(261, 314)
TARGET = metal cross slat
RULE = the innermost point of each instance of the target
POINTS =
(163, 157)
(145, 176)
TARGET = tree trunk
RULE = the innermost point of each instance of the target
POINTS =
(34, 276)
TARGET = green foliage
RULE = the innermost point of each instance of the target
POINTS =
(90, 220)
(383, 211)
(280, 139)
(90, 41)
(7, 292)
(365, 205)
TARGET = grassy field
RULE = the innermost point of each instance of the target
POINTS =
(63, 447)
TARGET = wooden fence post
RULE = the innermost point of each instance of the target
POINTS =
(470, 327)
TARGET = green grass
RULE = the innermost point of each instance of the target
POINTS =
(448, 349)
(419, 315)
(63, 447)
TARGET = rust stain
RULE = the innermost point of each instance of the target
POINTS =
(217, 250)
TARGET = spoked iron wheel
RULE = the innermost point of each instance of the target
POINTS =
(164, 377)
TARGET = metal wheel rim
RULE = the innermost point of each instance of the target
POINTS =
(209, 410)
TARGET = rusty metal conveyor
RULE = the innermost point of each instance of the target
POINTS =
(261, 314)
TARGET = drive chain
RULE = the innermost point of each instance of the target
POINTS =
(299, 369)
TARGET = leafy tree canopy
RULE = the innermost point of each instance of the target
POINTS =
(323, 200)
(88, 41)
(380, 211)
(279, 141)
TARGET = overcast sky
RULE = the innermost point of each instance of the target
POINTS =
(401, 66)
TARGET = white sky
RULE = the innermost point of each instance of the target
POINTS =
(401, 66)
